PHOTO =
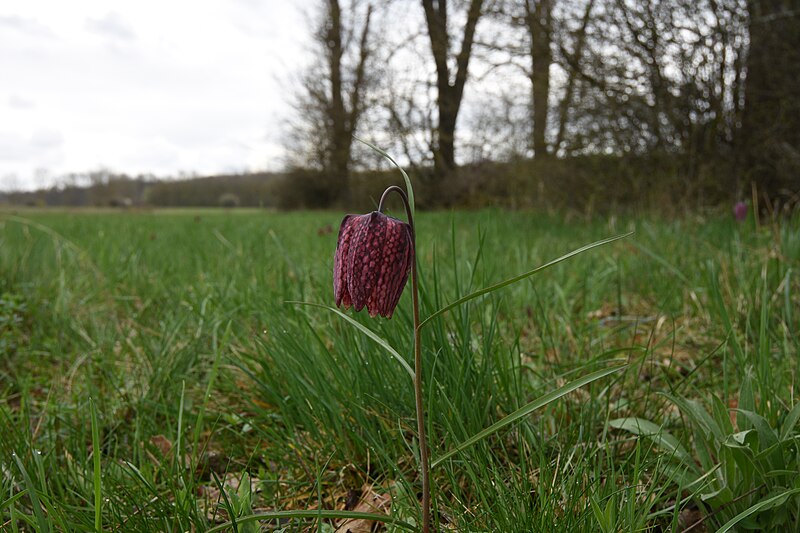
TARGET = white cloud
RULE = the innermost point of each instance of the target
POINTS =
(16, 101)
(111, 25)
(45, 139)
(146, 86)
(28, 27)
(43, 146)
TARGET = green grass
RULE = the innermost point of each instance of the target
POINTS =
(153, 377)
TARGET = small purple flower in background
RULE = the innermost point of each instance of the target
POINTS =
(373, 258)
(740, 211)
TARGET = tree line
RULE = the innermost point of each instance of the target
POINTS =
(104, 188)
(576, 104)
(709, 90)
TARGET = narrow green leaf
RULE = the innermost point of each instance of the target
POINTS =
(13, 499)
(763, 337)
(178, 438)
(689, 478)
(738, 451)
(773, 501)
(43, 524)
(791, 421)
(366, 331)
(96, 446)
(747, 399)
(719, 302)
(768, 439)
(599, 515)
(697, 414)
(198, 424)
(766, 434)
(313, 513)
(528, 409)
(704, 447)
(611, 514)
(492, 288)
(720, 414)
(232, 510)
(409, 188)
(137, 474)
(663, 262)
(645, 428)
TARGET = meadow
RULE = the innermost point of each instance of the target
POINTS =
(156, 376)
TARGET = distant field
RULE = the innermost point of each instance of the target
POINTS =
(215, 399)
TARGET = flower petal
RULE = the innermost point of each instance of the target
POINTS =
(397, 256)
(364, 258)
(340, 291)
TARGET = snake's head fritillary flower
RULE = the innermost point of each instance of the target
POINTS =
(740, 211)
(372, 262)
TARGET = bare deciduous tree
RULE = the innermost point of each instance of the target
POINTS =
(449, 84)
(570, 63)
(335, 87)
(696, 83)
(771, 118)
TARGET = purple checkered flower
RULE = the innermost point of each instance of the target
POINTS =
(740, 211)
(373, 258)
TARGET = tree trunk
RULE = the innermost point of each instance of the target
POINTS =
(343, 110)
(339, 157)
(770, 132)
(445, 156)
(539, 21)
(449, 94)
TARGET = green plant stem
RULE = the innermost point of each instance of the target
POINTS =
(423, 441)
(420, 406)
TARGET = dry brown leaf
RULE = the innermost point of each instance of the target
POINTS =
(162, 443)
(691, 520)
(370, 502)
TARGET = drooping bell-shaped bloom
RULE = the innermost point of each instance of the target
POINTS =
(372, 262)
(740, 211)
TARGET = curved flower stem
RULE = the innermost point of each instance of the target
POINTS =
(423, 442)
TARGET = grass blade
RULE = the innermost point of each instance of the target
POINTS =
(198, 424)
(790, 422)
(778, 499)
(515, 279)
(645, 428)
(13, 499)
(98, 501)
(409, 188)
(660, 260)
(366, 331)
(178, 442)
(44, 525)
(528, 409)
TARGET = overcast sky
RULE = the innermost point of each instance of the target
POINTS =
(144, 86)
